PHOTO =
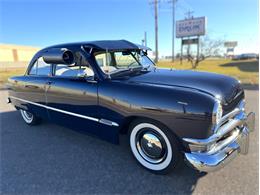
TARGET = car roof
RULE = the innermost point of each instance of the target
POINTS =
(104, 45)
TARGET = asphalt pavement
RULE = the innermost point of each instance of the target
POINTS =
(50, 159)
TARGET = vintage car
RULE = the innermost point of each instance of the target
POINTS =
(110, 87)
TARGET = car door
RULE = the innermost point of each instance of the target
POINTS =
(72, 97)
(32, 88)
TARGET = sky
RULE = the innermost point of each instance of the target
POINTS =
(46, 22)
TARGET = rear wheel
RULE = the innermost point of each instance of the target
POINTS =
(29, 118)
(154, 146)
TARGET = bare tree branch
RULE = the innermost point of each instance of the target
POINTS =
(208, 48)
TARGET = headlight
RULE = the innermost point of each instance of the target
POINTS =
(217, 113)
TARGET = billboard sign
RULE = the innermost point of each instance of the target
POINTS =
(191, 27)
(230, 44)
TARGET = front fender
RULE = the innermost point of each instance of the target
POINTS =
(186, 112)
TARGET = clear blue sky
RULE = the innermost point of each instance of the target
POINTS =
(46, 22)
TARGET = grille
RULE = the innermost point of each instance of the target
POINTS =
(233, 104)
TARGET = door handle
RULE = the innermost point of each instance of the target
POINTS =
(47, 85)
(49, 82)
(91, 81)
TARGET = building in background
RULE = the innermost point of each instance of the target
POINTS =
(16, 53)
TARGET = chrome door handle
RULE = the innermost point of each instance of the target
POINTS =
(48, 82)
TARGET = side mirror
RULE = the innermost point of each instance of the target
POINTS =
(58, 56)
(145, 53)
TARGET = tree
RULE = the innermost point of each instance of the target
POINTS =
(208, 48)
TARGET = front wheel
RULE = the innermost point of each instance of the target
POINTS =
(29, 118)
(154, 146)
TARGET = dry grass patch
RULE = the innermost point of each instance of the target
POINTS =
(246, 71)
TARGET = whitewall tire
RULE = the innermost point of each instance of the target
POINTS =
(29, 118)
(154, 146)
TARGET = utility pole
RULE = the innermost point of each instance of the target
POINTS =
(142, 42)
(173, 28)
(189, 16)
(156, 29)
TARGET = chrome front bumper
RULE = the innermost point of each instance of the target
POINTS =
(230, 140)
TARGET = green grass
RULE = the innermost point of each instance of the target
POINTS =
(246, 71)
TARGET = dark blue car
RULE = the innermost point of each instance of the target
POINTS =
(110, 87)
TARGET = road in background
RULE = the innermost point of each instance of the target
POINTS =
(51, 159)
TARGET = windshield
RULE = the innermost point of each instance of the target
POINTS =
(115, 62)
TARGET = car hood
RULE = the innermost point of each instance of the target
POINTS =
(217, 85)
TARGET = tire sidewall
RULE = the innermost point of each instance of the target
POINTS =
(35, 120)
(171, 163)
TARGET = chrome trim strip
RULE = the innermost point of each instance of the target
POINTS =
(108, 122)
(217, 104)
(183, 103)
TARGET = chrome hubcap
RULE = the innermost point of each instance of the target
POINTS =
(151, 146)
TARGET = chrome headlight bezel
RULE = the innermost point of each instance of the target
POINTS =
(217, 113)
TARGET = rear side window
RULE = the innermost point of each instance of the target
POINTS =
(81, 68)
(40, 68)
